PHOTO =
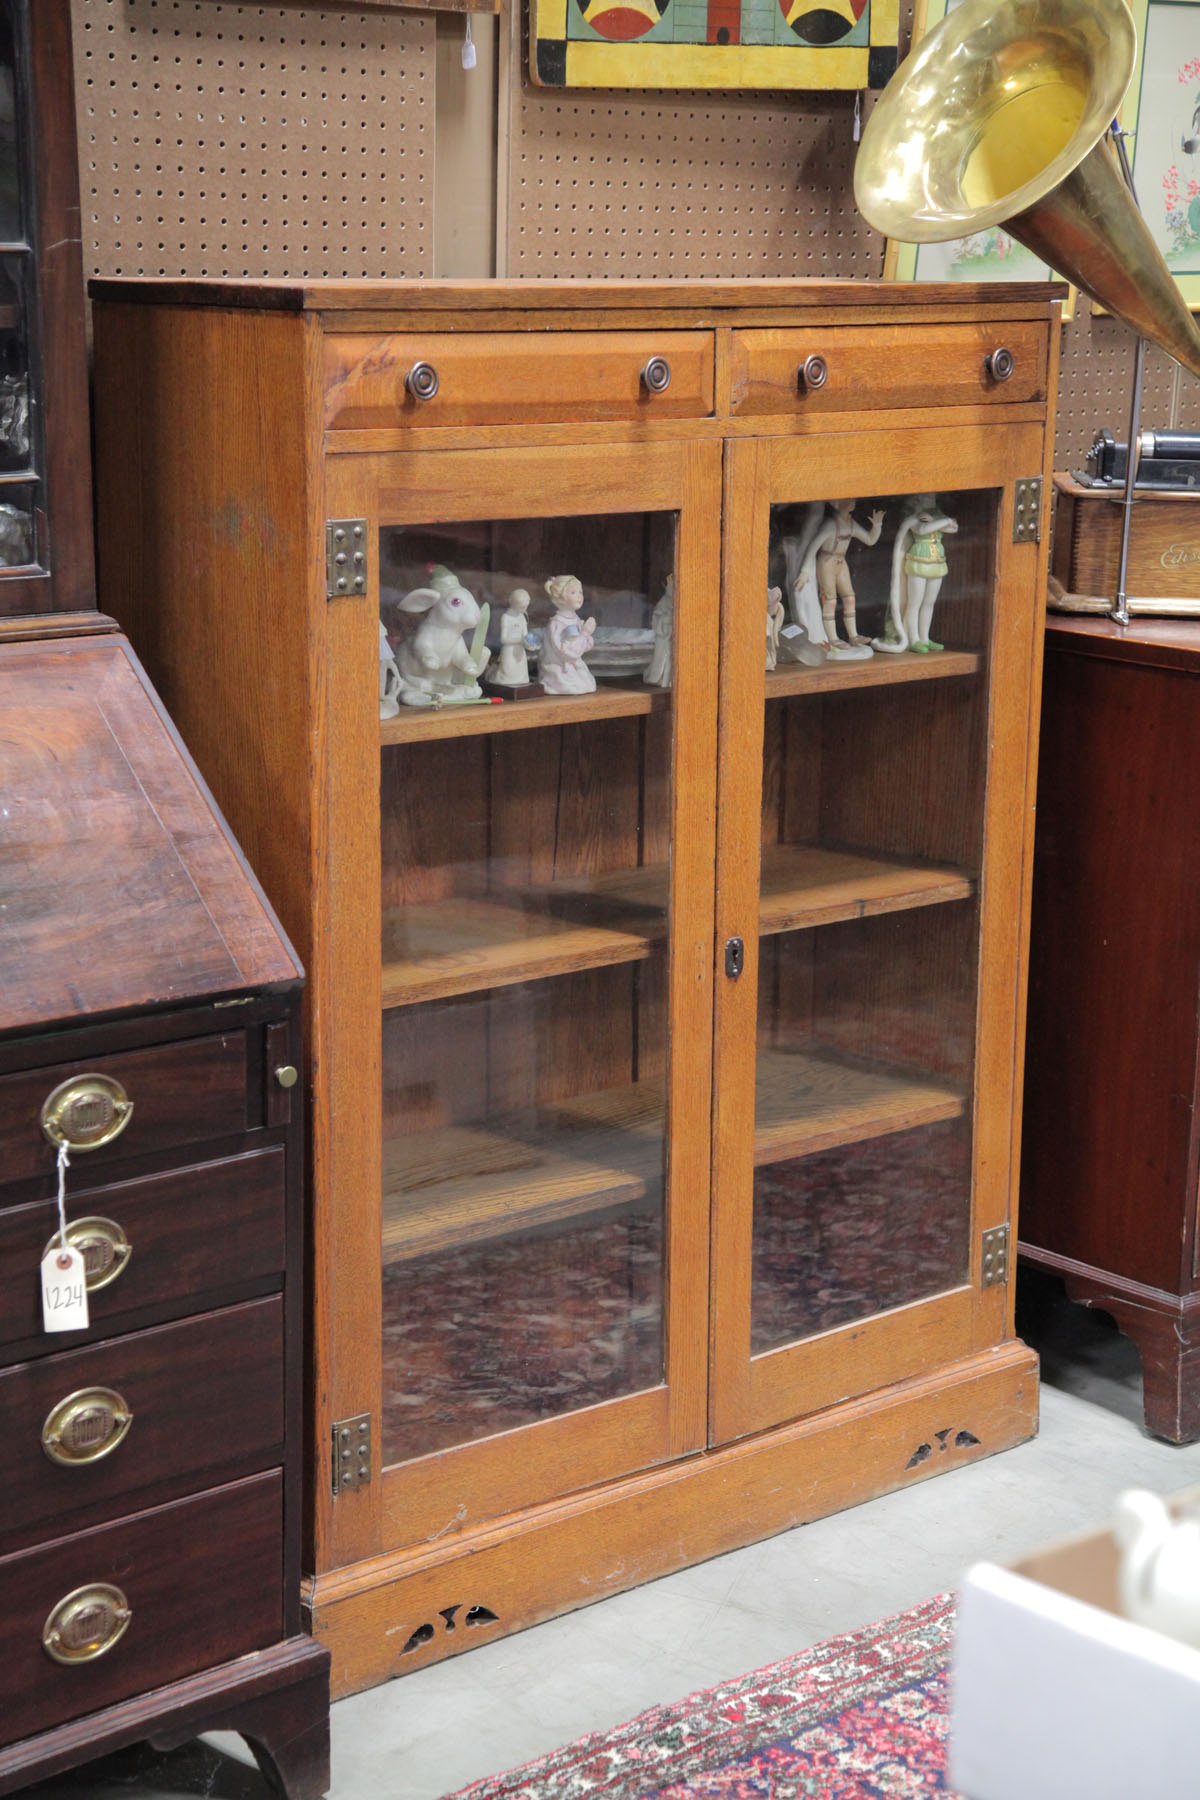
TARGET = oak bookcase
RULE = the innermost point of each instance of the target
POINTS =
(664, 1043)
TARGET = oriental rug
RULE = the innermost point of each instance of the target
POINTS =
(862, 1717)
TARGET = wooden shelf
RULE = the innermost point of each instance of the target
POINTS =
(419, 724)
(464, 1186)
(808, 1102)
(803, 885)
(463, 946)
(880, 670)
(600, 1153)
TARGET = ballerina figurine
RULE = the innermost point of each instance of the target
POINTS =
(565, 639)
(828, 553)
(918, 570)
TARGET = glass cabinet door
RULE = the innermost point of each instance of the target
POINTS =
(546, 652)
(870, 863)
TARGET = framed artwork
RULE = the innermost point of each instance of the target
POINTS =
(990, 255)
(713, 43)
(1162, 111)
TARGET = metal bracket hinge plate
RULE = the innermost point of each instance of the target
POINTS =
(345, 557)
(351, 1454)
(994, 1267)
(1027, 510)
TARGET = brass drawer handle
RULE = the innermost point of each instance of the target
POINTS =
(86, 1112)
(656, 376)
(422, 381)
(86, 1623)
(85, 1427)
(102, 1244)
(999, 364)
(813, 373)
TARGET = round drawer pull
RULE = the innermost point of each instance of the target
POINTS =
(86, 1426)
(102, 1244)
(86, 1623)
(86, 1112)
(656, 376)
(812, 374)
(287, 1075)
(422, 381)
(1000, 364)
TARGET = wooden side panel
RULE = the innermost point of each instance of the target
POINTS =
(1116, 957)
(211, 555)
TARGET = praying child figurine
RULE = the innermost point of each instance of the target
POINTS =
(565, 639)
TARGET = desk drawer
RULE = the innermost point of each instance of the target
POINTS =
(879, 366)
(204, 1398)
(187, 1233)
(202, 1581)
(182, 1093)
(512, 378)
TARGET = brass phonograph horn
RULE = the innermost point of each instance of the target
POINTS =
(998, 118)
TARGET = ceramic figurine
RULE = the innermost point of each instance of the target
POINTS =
(389, 677)
(565, 639)
(436, 667)
(775, 618)
(825, 565)
(511, 668)
(804, 639)
(918, 570)
(658, 670)
(1158, 1581)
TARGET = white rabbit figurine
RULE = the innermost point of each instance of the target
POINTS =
(1159, 1578)
(436, 667)
(389, 677)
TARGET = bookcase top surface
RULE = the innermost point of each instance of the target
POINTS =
(587, 295)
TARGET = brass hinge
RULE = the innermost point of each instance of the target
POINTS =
(345, 557)
(351, 1454)
(994, 1267)
(1027, 510)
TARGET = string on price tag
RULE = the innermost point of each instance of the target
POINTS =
(64, 1279)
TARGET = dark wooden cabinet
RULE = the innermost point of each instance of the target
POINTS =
(1112, 1149)
(150, 1465)
(45, 459)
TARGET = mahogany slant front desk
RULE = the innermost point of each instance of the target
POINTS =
(150, 1461)
(1112, 1145)
(654, 1212)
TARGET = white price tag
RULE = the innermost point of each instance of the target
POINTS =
(64, 1290)
(791, 631)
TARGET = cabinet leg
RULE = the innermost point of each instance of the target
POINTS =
(288, 1732)
(1167, 1334)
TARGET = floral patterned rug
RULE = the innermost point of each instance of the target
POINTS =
(862, 1717)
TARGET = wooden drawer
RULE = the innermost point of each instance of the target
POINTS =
(182, 1093)
(189, 1232)
(875, 366)
(509, 378)
(206, 1400)
(203, 1582)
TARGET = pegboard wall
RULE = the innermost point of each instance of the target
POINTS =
(233, 139)
(219, 139)
(696, 183)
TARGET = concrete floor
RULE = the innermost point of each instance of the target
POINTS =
(425, 1736)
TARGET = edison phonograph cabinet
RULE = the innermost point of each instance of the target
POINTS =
(666, 961)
